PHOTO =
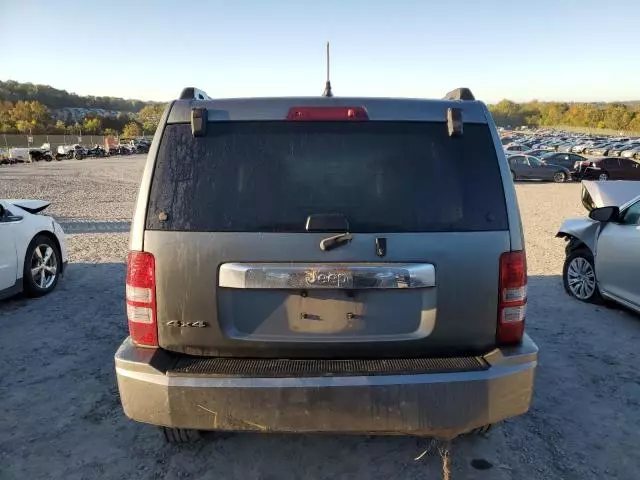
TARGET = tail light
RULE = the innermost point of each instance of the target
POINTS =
(512, 305)
(141, 299)
(327, 113)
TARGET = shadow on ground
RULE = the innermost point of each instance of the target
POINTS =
(71, 226)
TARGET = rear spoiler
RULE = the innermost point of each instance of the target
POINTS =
(30, 206)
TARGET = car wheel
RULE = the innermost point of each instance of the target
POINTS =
(41, 266)
(180, 435)
(48, 158)
(513, 175)
(579, 275)
(603, 176)
(559, 177)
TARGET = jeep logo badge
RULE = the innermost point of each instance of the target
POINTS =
(330, 279)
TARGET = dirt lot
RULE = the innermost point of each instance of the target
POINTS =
(60, 410)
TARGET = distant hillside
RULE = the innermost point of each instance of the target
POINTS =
(55, 98)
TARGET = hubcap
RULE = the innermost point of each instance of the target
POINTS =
(581, 278)
(603, 176)
(44, 266)
(559, 177)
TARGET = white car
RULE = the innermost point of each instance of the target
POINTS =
(33, 252)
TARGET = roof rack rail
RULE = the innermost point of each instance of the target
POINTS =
(192, 93)
(459, 94)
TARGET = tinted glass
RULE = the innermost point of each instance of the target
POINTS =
(632, 215)
(611, 163)
(627, 164)
(382, 176)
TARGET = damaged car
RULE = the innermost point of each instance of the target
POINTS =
(33, 252)
(603, 249)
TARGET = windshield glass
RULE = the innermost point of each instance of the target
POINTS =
(383, 176)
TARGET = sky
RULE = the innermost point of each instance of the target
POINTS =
(571, 50)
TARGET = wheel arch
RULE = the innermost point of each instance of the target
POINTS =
(573, 243)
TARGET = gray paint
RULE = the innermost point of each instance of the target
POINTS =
(442, 405)
(459, 313)
(186, 286)
(377, 108)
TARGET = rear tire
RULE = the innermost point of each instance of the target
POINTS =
(513, 175)
(559, 177)
(603, 176)
(180, 435)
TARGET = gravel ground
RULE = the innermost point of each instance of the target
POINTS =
(61, 416)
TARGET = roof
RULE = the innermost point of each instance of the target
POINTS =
(276, 108)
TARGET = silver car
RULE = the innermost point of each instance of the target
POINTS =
(326, 265)
(603, 250)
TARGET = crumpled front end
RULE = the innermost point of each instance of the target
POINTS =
(581, 228)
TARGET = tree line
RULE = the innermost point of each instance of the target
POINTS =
(33, 117)
(12, 91)
(614, 116)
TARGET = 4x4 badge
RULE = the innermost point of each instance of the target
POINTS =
(178, 323)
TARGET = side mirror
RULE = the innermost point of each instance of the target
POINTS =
(605, 214)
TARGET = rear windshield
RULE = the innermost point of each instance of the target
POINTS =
(382, 176)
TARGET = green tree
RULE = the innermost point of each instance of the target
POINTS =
(110, 132)
(7, 125)
(634, 124)
(150, 115)
(617, 117)
(60, 127)
(92, 125)
(29, 116)
(131, 130)
(75, 129)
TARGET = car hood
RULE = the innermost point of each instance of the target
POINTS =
(596, 194)
(31, 206)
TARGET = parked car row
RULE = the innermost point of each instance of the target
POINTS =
(562, 157)
(551, 140)
(68, 152)
(564, 167)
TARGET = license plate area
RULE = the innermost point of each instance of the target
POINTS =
(325, 315)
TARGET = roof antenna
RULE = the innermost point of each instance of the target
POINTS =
(327, 87)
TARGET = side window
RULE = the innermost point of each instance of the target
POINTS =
(632, 215)
(7, 215)
(516, 160)
(613, 163)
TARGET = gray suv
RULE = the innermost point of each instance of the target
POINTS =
(326, 265)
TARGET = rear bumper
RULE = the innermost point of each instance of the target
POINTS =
(437, 404)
